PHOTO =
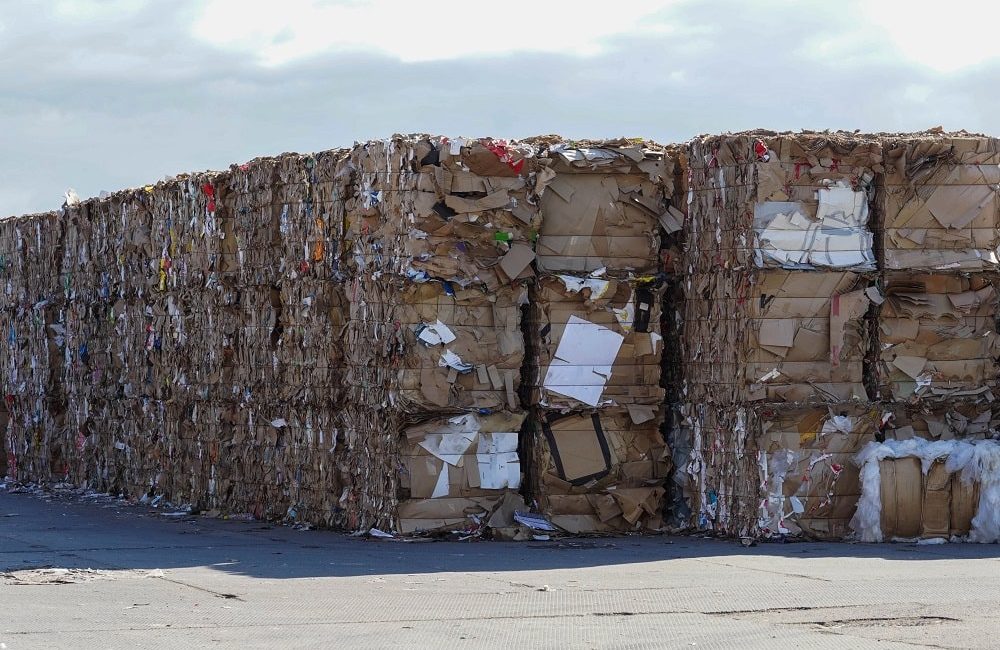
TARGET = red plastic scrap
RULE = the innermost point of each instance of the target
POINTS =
(505, 154)
(760, 150)
(210, 193)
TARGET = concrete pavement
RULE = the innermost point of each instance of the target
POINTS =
(95, 573)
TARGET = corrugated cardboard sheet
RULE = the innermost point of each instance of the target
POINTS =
(939, 338)
(601, 471)
(942, 202)
(570, 314)
(809, 194)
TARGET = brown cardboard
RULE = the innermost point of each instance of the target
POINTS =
(603, 206)
(517, 259)
(590, 487)
(939, 338)
(635, 373)
(964, 503)
(776, 336)
(579, 447)
(941, 207)
(936, 520)
(902, 498)
(809, 453)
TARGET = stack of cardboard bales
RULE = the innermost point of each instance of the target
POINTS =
(779, 280)
(282, 312)
(32, 296)
(441, 232)
(599, 457)
(937, 367)
(190, 332)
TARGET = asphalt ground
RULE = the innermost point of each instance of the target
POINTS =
(92, 572)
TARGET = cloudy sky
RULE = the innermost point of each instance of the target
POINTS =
(106, 94)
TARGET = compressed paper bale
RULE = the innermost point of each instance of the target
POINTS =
(812, 486)
(562, 307)
(797, 186)
(594, 457)
(941, 208)
(775, 336)
(483, 337)
(938, 338)
(443, 209)
(602, 207)
(464, 456)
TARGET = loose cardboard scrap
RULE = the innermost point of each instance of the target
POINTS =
(600, 471)
(942, 202)
(939, 338)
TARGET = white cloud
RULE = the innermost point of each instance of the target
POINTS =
(943, 36)
(279, 33)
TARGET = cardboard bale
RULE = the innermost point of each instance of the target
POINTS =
(440, 232)
(597, 343)
(177, 370)
(939, 338)
(36, 445)
(601, 471)
(603, 206)
(448, 209)
(941, 202)
(463, 349)
(809, 195)
(812, 488)
(914, 487)
(454, 467)
(775, 336)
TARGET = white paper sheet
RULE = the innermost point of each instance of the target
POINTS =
(499, 466)
(441, 487)
(582, 363)
(436, 333)
(449, 447)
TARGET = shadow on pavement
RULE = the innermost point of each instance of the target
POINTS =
(100, 533)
